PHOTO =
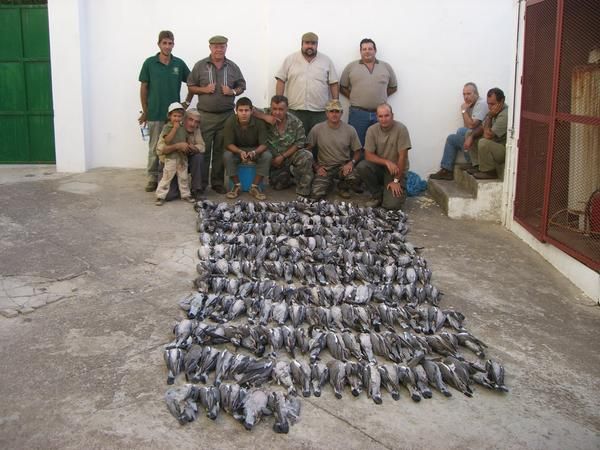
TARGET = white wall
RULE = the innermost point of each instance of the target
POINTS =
(434, 46)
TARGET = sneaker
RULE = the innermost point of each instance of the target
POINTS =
(487, 175)
(466, 167)
(188, 199)
(159, 201)
(344, 193)
(442, 174)
(254, 192)
(151, 186)
(373, 202)
(234, 192)
(473, 169)
(219, 189)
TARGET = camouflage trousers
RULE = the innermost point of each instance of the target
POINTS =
(174, 166)
(299, 167)
(321, 185)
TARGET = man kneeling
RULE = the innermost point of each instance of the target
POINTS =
(245, 140)
(337, 148)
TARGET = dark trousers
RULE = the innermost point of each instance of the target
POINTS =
(376, 178)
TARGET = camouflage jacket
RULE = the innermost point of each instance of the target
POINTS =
(292, 135)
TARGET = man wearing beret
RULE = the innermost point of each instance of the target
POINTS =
(217, 81)
(309, 80)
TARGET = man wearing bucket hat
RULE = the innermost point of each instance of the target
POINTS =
(245, 142)
(309, 80)
(337, 150)
(216, 81)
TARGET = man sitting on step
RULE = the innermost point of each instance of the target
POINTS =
(473, 111)
(490, 144)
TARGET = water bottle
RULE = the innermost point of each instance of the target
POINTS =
(145, 131)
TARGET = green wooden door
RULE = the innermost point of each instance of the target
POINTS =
(26, 116)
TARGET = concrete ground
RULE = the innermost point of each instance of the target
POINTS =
(91, 271)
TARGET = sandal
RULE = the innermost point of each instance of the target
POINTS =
(235, 191)
(254, 192)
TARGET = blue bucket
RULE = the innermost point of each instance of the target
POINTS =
(246, 172)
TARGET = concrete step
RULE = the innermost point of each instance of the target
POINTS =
(466, 197)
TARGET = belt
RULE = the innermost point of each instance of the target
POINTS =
(364, 109)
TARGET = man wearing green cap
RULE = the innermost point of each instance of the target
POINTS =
(216, 80)
(309, 80)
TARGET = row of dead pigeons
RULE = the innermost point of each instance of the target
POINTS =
(279, 283)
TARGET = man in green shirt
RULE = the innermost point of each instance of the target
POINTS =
(161, 77)
(245, 140)
(491, 147)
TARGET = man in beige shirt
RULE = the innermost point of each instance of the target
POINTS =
(308, 79)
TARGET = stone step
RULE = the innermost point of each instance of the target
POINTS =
(466, 197)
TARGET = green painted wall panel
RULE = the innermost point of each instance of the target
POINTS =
(35, 33)
(10, 34)
(14, 142)
(12, 87)
(41, 138)
(39, 86)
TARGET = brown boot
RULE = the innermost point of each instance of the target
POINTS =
(487, 175)
(442, 174)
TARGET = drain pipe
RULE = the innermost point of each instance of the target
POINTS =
(508, 188)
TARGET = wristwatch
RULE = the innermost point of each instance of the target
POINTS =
(353, 162)
(396, 180)
(464, 111)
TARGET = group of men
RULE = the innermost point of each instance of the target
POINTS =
(300, 138)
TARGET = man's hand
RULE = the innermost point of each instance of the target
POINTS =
(182, 147)
(320, 170)
(209, 88)
(244, 156)
(142, 119)
(495, 110)
(394, 188)
(347, 168)
(227, 90)
(488, 133)
(277, 162)
(468, 143)
(270, 119)
(392, 168)
(465, 106)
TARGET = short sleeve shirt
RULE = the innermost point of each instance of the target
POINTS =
(500, 125)
(252, 136)
(307, 83)
(368, 89)
(164, 84)
(335, 146)
(293, 134)
(205, 73)
(387, 143)
(180, 136)
(479, 110)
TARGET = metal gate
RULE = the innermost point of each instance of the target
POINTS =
(26, 117)
(558, 170)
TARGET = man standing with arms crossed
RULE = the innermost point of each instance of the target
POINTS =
(160, 77)
(386, 163)
(367, 82)
(216, 80)
(309, 79)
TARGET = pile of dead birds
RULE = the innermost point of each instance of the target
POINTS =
(293, 296)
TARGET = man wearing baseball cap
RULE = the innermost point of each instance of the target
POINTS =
(337, 149)
(309, 80)
(217, 81)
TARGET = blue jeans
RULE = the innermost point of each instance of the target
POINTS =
(454, 144)
(361, 120)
